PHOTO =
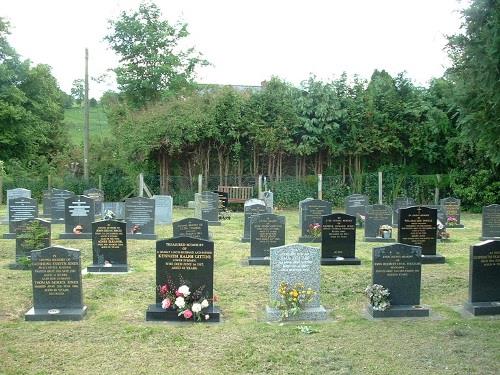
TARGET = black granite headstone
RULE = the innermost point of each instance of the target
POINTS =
(377, 217)
(98, 196)
(338, 240)
(78, 218)
(251, 208)
(418, 227)
(266, 231)
(20, 209)
(184, 261)
(57, 204)
(109, 246)
(210, 213)
(140, 218)
(484, 279)
(401, 202)
(57, 285)
(311, 212)
(355, 205)
(31, 234)
(398, 268)
(191, 227)
(491, 222)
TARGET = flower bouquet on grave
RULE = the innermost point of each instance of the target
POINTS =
(385, 231)
(360, 220)
(379, 297)
(109, 215)
(78, 229)
(188, 304)
(315, 230)
(293, 299)
(451, 221)
(442, 234)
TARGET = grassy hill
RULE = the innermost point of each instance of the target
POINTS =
(73, 118)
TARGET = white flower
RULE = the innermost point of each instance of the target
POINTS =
(196, 308)
(204, 303)
(179, 302)
(184, 289)
(207, 317)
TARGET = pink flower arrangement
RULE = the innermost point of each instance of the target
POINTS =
(315, 230)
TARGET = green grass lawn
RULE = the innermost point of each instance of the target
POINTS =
(114, 338)
(98, 124)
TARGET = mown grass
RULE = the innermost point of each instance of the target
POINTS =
(114, 337)
(98, 124)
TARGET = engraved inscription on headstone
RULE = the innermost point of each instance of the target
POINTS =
(109, 246)
(338, 240)
(252, 207)
(266, 231)
(191, 227)
(210, 212)
(140, 218)
(491, 222)
(355, 205)
(20, 209)
(17, 193)
(451, 208)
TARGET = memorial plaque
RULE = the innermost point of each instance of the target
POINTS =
(311, 212)
(163, 209)
(484, 279)
(338, 240)
(140, 218)
(57, 285)
(191, 227)
(20, 209)
(355, 205)
(31, 234)
(378, 217)
(98, 196)
(402, 202)
(78, 218)
(57, 207)
(117, 208)
(491, 222)
(398, 268)
(109, 246)
(266, 231)
(210, 211)
(418, 227)
(294, 264)
(46, 203)
(251, 208)
(184, 261)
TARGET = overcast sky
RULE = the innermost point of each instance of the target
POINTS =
(249, 41)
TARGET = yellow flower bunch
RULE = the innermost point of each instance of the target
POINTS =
(293, 298)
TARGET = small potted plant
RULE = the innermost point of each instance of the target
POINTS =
(379, 297)
(385, 231)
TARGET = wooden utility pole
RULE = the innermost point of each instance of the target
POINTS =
(86, 120)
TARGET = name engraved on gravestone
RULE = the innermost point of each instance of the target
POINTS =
(484, 279)
(31, 234)
(109, 246)
(140, 214)
(57, 203)
(118, 208)
(418, 227)
(20, 209)
(210, 211)
(163, 209)
(97, 196)
(251, 208)
(191, 227)
(184, 260)
(311, 213)
(355, 204)
(401, 202)
(78, 217)
(378, 215)
(338, 236)
(491, 222)
(57, 285)
(266, 231)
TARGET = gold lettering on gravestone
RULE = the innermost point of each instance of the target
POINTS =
(418, 227)
(56, 275)
(490, 260)
(451, 208)
(109, 237)
(395, 265)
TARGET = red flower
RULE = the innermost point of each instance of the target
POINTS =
(164, 289)
(188, 314)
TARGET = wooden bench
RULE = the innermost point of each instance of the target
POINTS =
(237, 194)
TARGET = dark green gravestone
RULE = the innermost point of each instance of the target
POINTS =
(20, 209)
(98, 196)
(338, 240)
(484, 279)
(109, 247)
(451, 208)
(31, 234)
(400, 202)
(251, 208)
(355, 205)
(140, 218)
(398, 268)
(418, 227)
(184, 260)
(311, 212)
(378, 215)
(191, 227)
(78, 218)
(57, 285)
(57, 204)
(266, 231)
(491, 222)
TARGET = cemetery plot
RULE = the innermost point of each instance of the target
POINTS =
(210, 210)
(338, 240)
(355, 205)
(57, 204)
(31, 234)
(109, 247)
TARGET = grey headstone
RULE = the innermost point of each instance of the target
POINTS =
(20, 209)
(57, 207)
(251, 208)
(268, 197)
(210, 213)
(451, 208)
(491, 222)
(118, 208)
(355, 204)
(25, 240)
(376, 216)
(46, 202)
(17, 193)
(401, 202)
(163, 209)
